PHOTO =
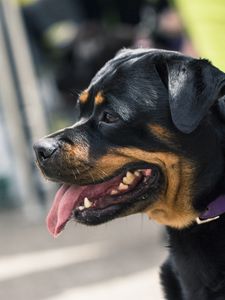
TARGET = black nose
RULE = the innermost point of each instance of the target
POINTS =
(45, 148)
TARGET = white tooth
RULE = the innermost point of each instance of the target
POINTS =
(137, 173)
(81, 207)
(123, 187)
(87, 203)
(125, 180)
(114, 192)
(129, 174)
(129, 178)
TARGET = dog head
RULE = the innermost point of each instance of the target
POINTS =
(145, 141)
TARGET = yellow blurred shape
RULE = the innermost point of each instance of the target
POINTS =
(205, 23)
(26, 2)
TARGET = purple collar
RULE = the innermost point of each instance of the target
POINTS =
(214, 210)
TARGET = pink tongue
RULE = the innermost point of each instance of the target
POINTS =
(63, 205)
(66, 200)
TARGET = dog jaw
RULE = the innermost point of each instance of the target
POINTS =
(174, 205)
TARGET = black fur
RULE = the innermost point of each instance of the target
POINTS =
(185, 96)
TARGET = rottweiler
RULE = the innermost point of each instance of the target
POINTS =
(149, 139)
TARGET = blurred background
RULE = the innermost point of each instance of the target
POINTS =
(49, 51)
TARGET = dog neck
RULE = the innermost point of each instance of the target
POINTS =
(201, 248)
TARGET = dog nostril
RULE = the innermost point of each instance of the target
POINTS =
(46, 153)
(42, 155)
(44, 149)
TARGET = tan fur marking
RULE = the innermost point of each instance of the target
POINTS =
(99, 98)
(161, 133)
(75, 156)
(84, 96)
(174, 206)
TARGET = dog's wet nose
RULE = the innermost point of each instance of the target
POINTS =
(45, 148)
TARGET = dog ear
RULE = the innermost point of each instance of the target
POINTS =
(221, 107)
(193, 86)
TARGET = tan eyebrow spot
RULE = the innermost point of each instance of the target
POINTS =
(99, 98)
(84, 96)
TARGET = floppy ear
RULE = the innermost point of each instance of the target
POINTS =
(221, 108)
(194, 85)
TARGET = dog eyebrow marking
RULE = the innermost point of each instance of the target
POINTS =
(99, 98)
(84, 96)
(162, 133)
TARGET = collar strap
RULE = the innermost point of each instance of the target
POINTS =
(213, 211)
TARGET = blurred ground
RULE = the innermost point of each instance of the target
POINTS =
(119, 260)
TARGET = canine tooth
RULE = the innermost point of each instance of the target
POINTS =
(137, 173)
(123, 187)
(87, 203)
(129, 178)
(114, 192)
(81, 207)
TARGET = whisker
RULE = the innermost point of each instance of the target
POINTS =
(74, 174)
(91, 176)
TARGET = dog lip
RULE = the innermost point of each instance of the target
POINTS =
(81, 182)
(120, 172)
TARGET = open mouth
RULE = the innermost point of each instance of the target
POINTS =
(86, 202)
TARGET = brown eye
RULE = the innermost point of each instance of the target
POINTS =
(109, 118)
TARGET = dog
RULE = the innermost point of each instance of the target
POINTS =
(149, 139)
